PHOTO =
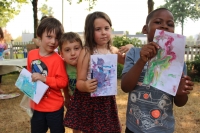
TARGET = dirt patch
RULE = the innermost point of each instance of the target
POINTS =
(13, 119)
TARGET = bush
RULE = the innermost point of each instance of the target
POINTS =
(119, 70)
(193, 68)
(119, 41)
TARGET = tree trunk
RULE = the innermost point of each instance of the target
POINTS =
(34, 3)
(182, 24)
(182, 27)
(150, 5)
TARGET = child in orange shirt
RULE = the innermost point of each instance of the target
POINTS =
(48, 67)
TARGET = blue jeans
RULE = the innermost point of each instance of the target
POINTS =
(41, 121)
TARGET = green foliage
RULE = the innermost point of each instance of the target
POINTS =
(119, 41)
(193, 68)
(91, 3)
(190, 39)
(119, 70)
(183, 9)
(46, 11)
(8, 9)
(18, 39)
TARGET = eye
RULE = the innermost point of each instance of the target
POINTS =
(67, 50)
(158, 22)
(97, 29)
(107, 28)
(49, 37)
(77, 48)
(171, 24)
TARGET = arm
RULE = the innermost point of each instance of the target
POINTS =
(121, 52)
(132, 70)
(82, 83)
(58, 78)
(129, 81)
(185, 86)
(67, 96)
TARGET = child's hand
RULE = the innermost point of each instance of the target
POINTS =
(148, 51)
(185, 86)
(37, 76)
(91, 85)
(124, 49)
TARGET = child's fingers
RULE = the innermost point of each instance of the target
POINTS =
(123, 49)
(189, 83)
(155, 45)
(187, 77)
(185, 92)
(188, 87)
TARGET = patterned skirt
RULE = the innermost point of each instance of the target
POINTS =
(92, 114)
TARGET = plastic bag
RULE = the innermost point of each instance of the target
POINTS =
(25, 104)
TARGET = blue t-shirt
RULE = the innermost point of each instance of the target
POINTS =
(149, 110)
(2, 48)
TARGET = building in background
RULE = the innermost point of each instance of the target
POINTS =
(27, 37)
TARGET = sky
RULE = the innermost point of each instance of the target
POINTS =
(126, 15)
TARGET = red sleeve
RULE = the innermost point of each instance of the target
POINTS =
(60, 80)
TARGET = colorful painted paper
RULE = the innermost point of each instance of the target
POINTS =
(104, 69)
(165, 70)
(34, 90)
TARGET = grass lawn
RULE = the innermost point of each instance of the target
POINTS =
(13, 119)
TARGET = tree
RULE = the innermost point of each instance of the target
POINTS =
(190, 39)
(150, 4)
(183, 9)
(91, 3)
(8, 9)
(35, 16)
(139, 32)
(18, 39)
(45, 10)
(7, 36)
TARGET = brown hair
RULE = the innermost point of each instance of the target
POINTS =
(69, 37)
(1, 34)
(50, 24)
(89, 29)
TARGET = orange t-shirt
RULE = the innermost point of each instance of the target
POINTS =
(53, 68)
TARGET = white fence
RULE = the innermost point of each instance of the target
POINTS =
(19, 48)
(191, 50)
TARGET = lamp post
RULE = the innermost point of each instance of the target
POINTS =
(11, 49)
(62, 10)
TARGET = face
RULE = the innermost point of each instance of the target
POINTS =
(70, 52)
(162, 20)
(102, 31)
(48, 42)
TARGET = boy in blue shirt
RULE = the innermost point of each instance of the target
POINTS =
(151, 110)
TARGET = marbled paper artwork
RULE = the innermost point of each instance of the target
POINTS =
(104, 69)
(34, 90)
(165, 70)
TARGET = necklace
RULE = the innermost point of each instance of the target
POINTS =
(40, 57)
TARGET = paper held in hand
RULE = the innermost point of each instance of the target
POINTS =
(104, 69)
(34, 90)
(165, 69)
